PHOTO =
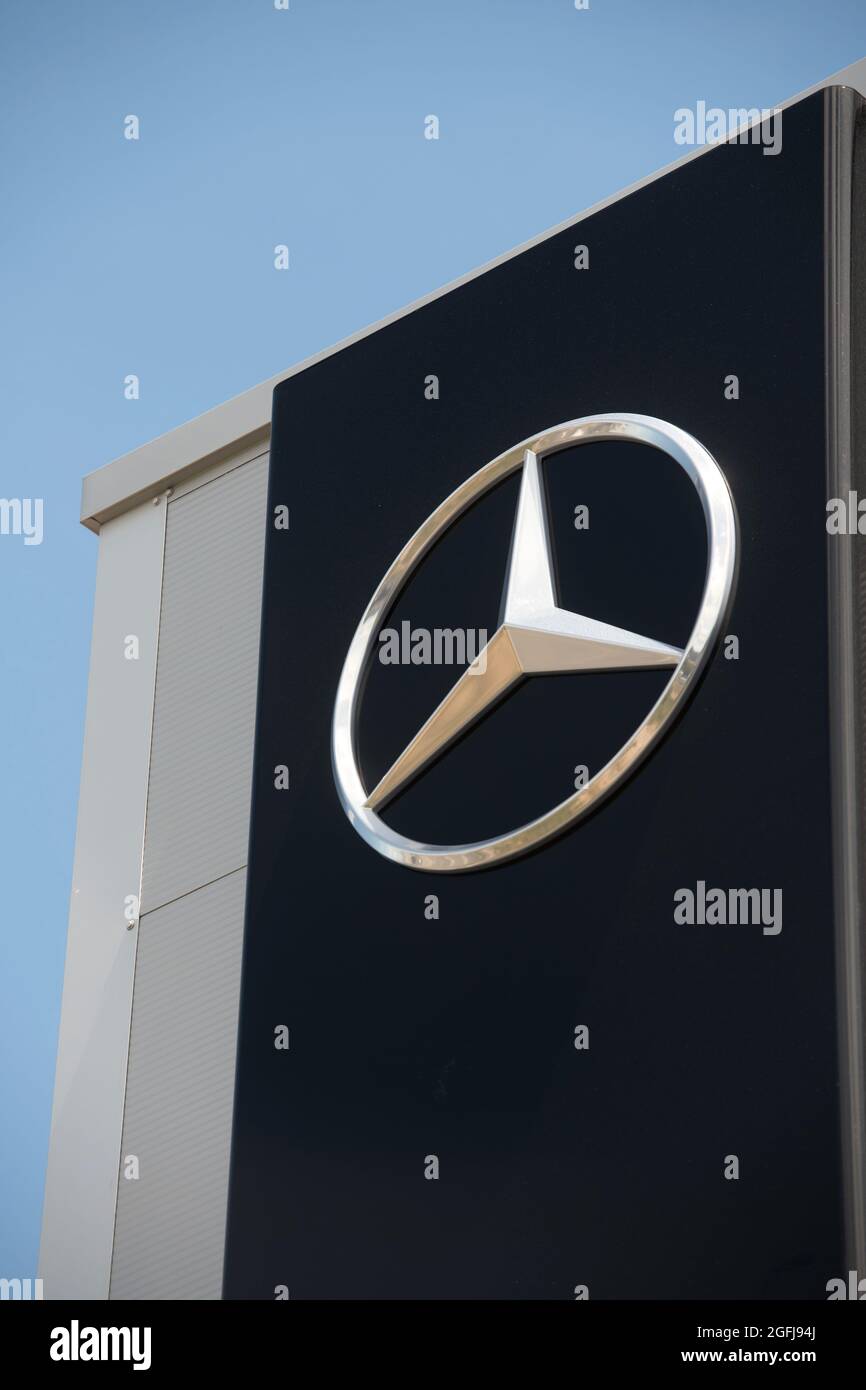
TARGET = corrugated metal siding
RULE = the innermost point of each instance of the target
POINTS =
(170, 1222)
(170, 1227)
(198, 801)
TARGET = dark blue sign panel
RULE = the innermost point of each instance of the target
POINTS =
(609, 1067)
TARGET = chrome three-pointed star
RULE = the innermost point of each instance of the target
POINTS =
(535, 638)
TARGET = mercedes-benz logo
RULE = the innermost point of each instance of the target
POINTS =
(535, 637)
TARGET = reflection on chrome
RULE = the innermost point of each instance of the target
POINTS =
(536, 637)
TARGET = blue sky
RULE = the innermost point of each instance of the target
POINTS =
(155, 257)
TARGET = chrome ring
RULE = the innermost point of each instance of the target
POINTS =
(720, 518)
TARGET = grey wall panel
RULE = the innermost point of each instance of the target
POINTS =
(78, 1221)
(170, 1220)
(170, 1225)
(201, 760)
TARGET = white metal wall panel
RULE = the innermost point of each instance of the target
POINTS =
(170, 1227)
(200, 769)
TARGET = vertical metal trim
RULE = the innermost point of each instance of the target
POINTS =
(841, 105)
(155, 672)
